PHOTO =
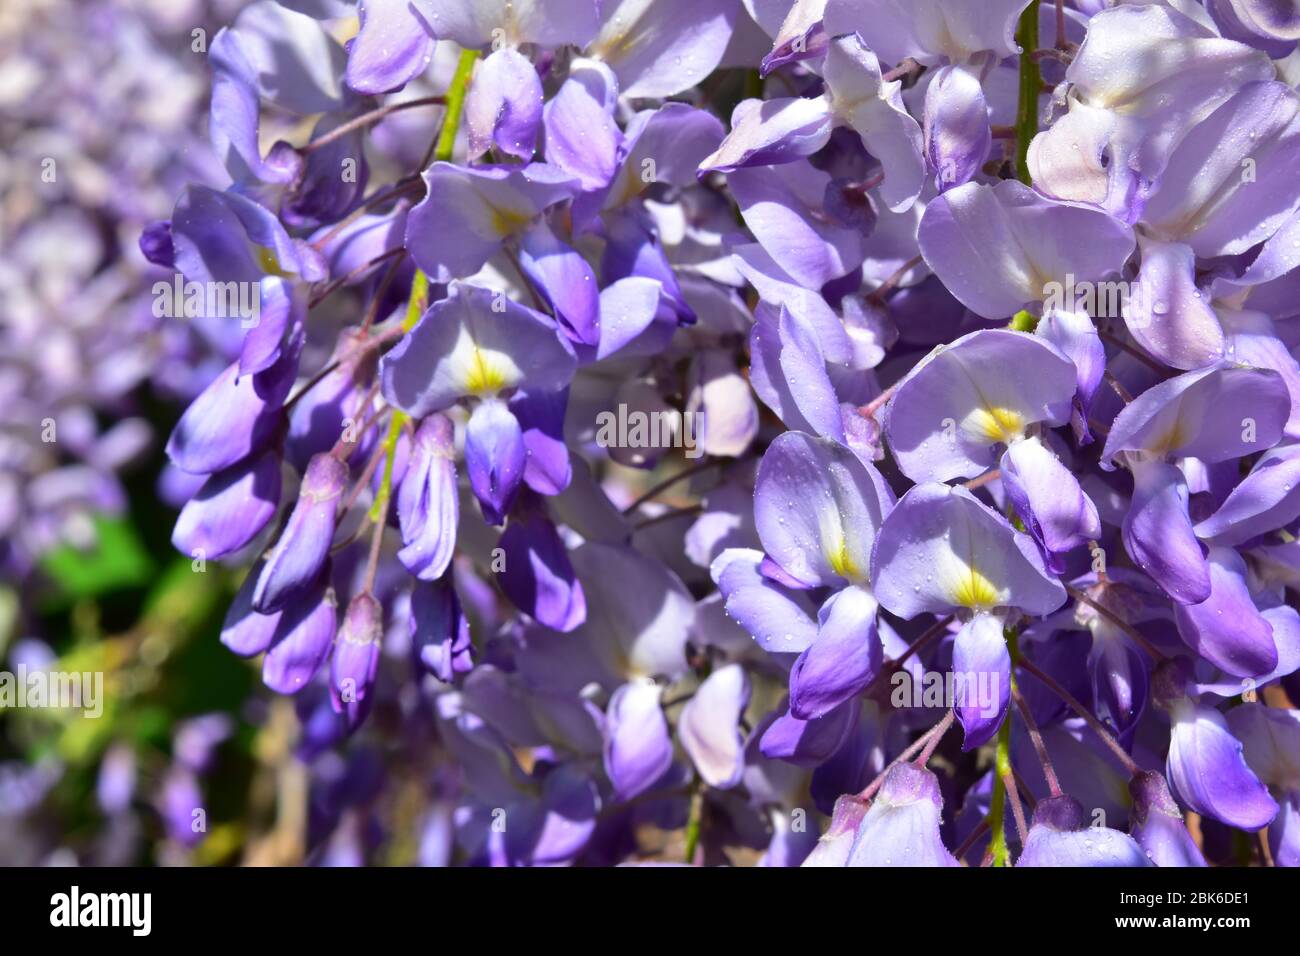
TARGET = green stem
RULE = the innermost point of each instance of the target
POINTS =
(1002, 770)
(379, 509)
(446, 140)
(998, 808)
(1031, 82)
(693, 824)
(415, 305)
(417, 301)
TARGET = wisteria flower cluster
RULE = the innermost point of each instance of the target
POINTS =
(855, 432)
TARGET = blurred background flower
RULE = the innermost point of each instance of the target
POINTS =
(103, 118)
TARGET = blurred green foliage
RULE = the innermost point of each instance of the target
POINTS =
(147, 619)
(119, 560)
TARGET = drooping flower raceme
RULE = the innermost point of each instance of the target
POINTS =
(694, 464)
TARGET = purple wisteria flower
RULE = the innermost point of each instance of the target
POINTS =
(674, 417)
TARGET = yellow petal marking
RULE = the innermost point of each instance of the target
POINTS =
(991, 424)
(975, 591)
(1173, 437)
(842, 561)
(507, 222)
(268, 261)
(485, 377)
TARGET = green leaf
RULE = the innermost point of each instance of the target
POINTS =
(118, 560)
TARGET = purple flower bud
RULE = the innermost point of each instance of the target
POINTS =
(1075, 337)
(956, 125)
(284, 166)
(245, 631)
(581, 135)
(541, 416)
(834, 846)
(1157, 823)
(638, 748)
(807, 743)
(440, 629)
(842, 661)
(234, 417)
(633, 250)
(1208, 771)
(428, 508)
(504, 105)
(981, 659)
(1046, 495)
(300, 553)
(1059, 836)
(495, 458)
(303, 635)
(565, 280)
(709, 726)
(902, 826)
(1158, 533)
(393, 45)
(356, 658)
(230, 509)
